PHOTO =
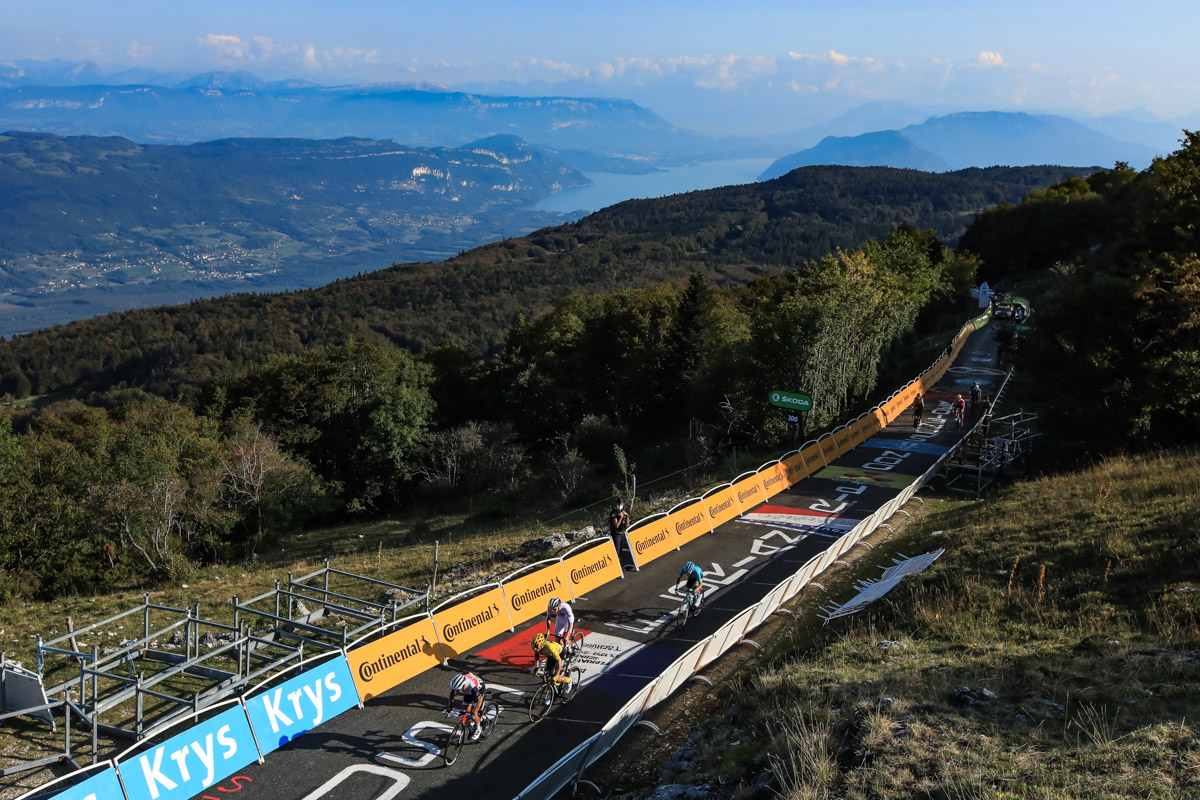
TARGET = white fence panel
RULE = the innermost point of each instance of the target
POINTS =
(677, 674)
(726, 636)
(566, 770)
(767, 606)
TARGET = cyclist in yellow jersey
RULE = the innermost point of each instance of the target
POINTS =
(553, 654)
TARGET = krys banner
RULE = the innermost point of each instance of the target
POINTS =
(403, 653)
(282, 713)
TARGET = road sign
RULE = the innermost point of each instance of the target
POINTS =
(793, 401)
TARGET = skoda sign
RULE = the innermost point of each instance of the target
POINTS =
(793, 401)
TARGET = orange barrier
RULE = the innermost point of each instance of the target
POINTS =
(593, 567)
(720, 505)
(748, 490)
(402, 654)
(461, 626)
(774, 479)
(650, 538)
(527, 596)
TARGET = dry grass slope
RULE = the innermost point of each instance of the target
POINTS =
(1072, 600)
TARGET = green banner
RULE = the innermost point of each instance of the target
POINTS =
(793, 401)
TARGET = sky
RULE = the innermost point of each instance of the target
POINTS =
(745, 67)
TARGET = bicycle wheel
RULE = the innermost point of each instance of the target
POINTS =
(487, 720)
(681, 617)
(454, 743)
(540, 703)
(576, 641)
(576, 675)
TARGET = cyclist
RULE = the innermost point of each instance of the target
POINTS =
(561, 618)
(958, 409)
(975, 393)
(473, 690)
(553, 653)
(694, 576)
(918, 408)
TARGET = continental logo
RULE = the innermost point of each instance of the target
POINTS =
(769, 482)
(369, 669)
(645, 544)
(684, 524)
(713, 511)
(579, 573)
(811, 457)
(549, 587)
(743, 496)
(792, 469)
(463, 625)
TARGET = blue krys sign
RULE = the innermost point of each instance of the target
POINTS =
(281, 714)
(101, 786)
(189, 763)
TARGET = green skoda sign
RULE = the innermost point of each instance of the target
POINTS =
(793, 401)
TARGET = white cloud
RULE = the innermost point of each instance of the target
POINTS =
(139, 52)
(989, 59)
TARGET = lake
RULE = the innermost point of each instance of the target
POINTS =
(608, 188)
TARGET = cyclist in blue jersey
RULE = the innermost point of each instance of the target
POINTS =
(694, 576)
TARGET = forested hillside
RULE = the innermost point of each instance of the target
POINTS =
(89, 224)
(729, 235)
(1113, 359)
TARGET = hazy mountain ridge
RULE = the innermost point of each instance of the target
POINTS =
(972, 139)
(228, 105)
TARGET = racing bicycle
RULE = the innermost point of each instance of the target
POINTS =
(550, 690)
(461, 732)
(693, 599)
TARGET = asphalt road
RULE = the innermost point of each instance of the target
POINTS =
(390, 747)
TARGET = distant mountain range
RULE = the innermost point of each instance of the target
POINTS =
(222, 105)
(91, 224)
(957, 141)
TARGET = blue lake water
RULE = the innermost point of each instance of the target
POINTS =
(607, 188)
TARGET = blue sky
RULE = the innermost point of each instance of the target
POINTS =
(746, 63)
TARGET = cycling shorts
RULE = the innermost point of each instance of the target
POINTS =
(693, 580)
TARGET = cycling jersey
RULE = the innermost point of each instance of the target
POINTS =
(474, 690)
(564, 620)
(959, 403)
(694, 577)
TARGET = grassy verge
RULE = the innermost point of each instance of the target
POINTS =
(1052, 652)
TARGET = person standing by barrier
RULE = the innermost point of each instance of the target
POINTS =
(618, 524)
(975, 393)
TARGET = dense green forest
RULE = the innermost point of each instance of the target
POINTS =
(1113, 361)
(136, 488)
(729, 235)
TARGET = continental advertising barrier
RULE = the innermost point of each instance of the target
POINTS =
(774, 479)
(463, 625)
(689, 520)
(293, 708)
(793, 467)
(748, 490)
(593, 567)
(720, 505)
(403, 653)
(650, 538)
(528, 595)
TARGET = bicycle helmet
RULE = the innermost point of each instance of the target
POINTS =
(538, 641)
(458, 682)
(553, 605)
(688, 567)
